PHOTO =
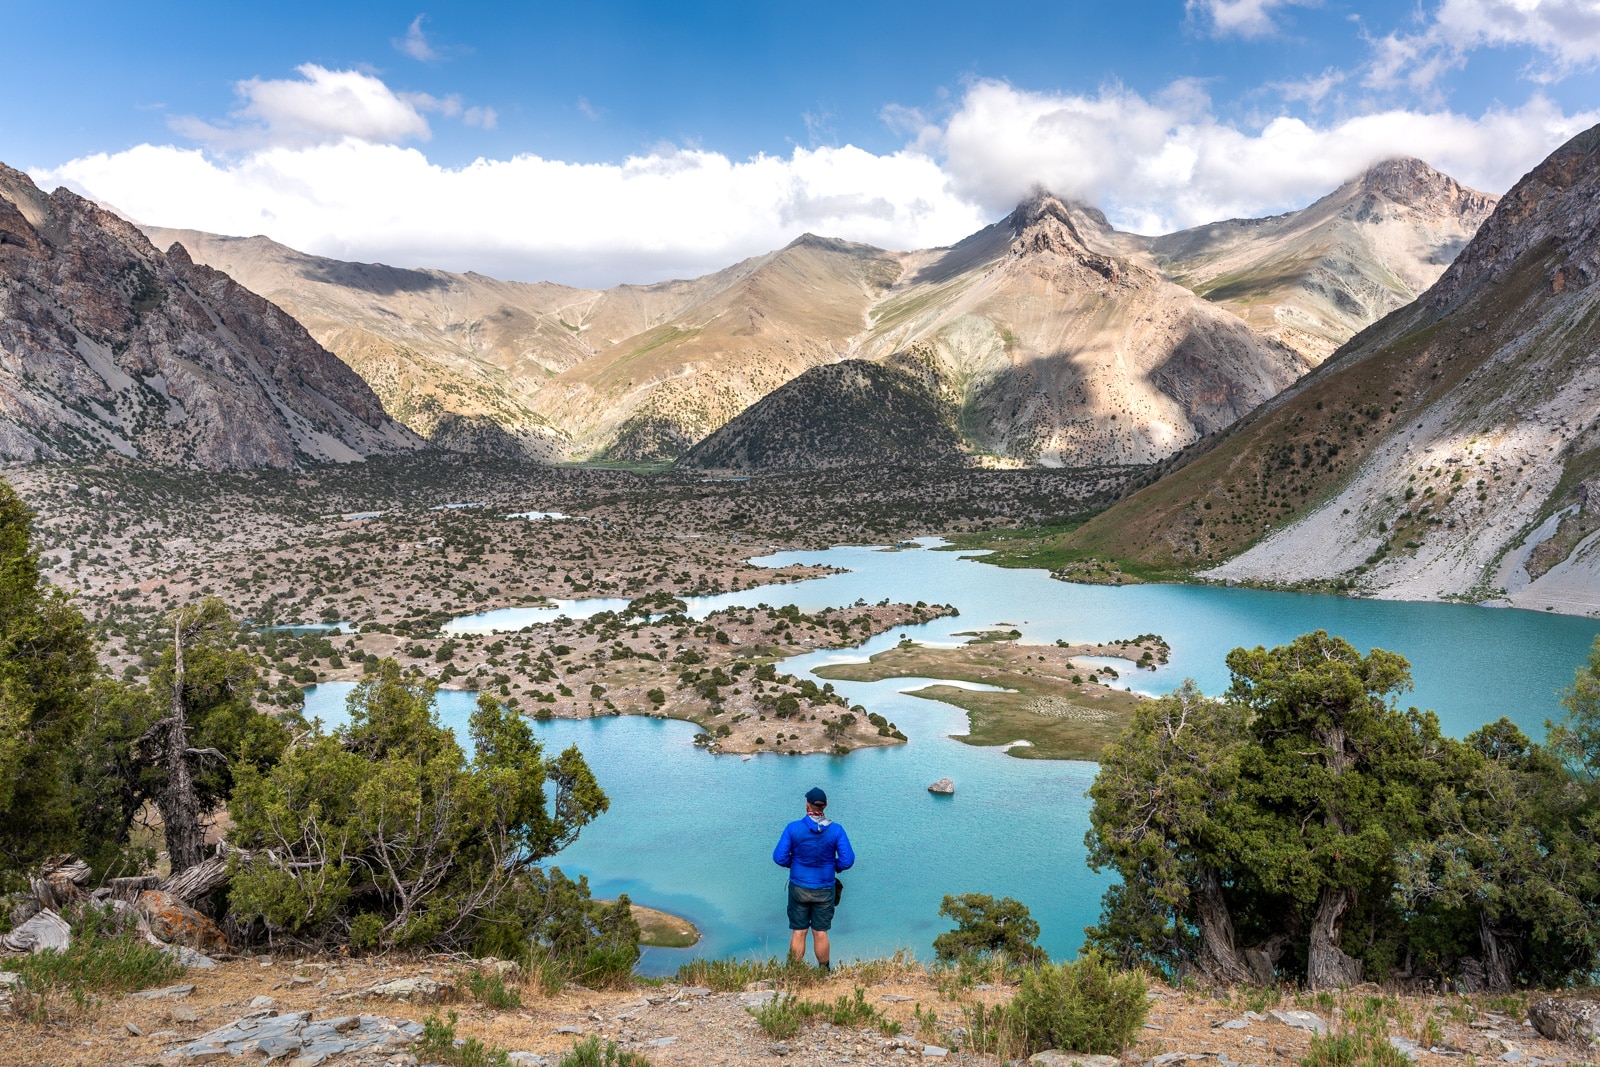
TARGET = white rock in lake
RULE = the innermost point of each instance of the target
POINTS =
(944, 786)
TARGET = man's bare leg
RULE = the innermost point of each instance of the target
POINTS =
(797, 945)
(819, 941)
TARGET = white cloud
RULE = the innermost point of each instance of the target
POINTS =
(1240, 18)
(667, 214)
(1169, 163)
(415, 42)
(1312, 89)
(319, 107)
(1566, 33)
(485, 118)
(1154, 164)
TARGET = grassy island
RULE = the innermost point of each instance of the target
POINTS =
(1062, 710)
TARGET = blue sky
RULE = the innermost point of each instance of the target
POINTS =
(597, 143)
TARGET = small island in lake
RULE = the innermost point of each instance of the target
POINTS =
(1063, 710)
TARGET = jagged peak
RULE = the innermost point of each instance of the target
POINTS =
(1408, 180)
(1042, 205)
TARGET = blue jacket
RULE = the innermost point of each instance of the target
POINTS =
(814, 852)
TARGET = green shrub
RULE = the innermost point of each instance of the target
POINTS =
(780, 1017)
(490, 990)
(103, 957)
(1085, 1006)
(590, 1052)
(783, 1015)
(438, 1045)
(984, 924)
(1352, 1048)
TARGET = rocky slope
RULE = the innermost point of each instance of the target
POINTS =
(1058, 341)
(1314, 278)
(840, 415)
(459, 358)
(1451, 450)
(1054, 339)
(107, 344)
(655, 394)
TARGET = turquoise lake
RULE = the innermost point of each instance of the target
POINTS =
(693, 833)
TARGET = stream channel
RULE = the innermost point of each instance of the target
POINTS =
(692, 833)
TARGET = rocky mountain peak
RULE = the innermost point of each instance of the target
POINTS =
(1045, 223)
(1405, 180)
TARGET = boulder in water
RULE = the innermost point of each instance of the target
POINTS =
(943, 786)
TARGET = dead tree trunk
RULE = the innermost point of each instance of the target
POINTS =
(178, 801)
(1327, 965)
(1219, 954)
(1499, 955)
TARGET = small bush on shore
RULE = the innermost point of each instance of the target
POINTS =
(985, 925)
(1085, 1006)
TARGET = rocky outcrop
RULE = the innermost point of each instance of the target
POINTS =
(109, 345)
(1567, 1018)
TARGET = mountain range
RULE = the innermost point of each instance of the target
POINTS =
(1046, 338)
(1451, 450)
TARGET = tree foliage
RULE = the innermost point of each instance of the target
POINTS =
(984, 924)
(386, 832)
(1307, 826)
(47, 669)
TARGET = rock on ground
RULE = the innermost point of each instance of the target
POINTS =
(1567, 1019)
(174, 921)
(295, 1035)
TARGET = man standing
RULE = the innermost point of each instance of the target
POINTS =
(814, 849)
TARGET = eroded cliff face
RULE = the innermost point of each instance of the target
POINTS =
(107, 343)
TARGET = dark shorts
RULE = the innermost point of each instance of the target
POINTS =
(810, 909)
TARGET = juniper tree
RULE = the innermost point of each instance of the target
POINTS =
(386, 833)
(47, 668)
(1510, 866)
(1336, 780)
(1167, 820)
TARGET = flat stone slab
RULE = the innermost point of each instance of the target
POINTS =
(295, 1034)
(1301, 1020)
(171, 992)
(1054, 1057)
